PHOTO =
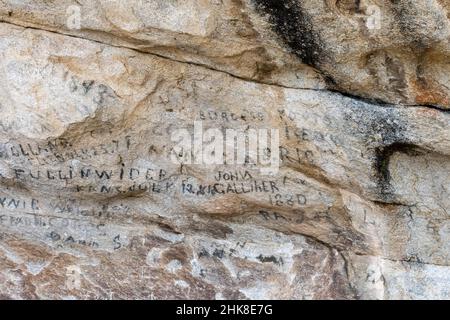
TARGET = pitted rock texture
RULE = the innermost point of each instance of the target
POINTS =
(93, 207)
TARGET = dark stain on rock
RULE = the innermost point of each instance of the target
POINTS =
(382, 160)
(270, 259)
(203, 253)
(219, 253)
(290, 22)
(385, 131)
(370, 120)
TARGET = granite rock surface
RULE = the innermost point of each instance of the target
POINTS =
(98, 200)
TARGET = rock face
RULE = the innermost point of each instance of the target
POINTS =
(99, 200)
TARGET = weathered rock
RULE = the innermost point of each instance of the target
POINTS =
(94, 205)
(392, 52)
(217, 34)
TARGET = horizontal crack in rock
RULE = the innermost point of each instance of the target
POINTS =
(376, 103)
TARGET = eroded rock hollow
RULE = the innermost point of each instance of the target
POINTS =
(98, 200)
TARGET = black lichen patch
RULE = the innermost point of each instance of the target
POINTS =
(370, 120)
(294, 27)
(385, 131)
(382, 160)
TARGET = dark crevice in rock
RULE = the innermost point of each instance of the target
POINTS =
(430, 106)
(411, 260)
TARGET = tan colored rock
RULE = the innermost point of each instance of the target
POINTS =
(389, 52)
(217, 34)
(94, 205)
